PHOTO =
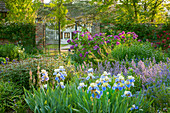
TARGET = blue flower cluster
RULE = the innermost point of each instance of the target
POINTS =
(60, 75)
(103, 83)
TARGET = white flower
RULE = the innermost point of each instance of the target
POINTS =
(90, 70)
(57, 70)
(45, 86)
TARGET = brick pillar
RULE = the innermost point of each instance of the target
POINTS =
(40, 34)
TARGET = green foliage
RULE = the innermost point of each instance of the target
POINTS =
(71, 99)
(58, 13)
(22, 10)
(10, 97)
(138, 50)
(160, 95)
(2, 60)
(12, 51)
(23, 34)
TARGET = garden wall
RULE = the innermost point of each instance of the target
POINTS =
(6, 37)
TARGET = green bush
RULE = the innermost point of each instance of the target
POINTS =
(138, 50)
(12, 51)
(9, 96)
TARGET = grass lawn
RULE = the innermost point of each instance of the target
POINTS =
(55, 46)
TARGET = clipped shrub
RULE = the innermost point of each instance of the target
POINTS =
(12, 51)
(138, 50)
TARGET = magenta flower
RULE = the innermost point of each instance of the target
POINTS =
(76, 45)
(72, 47)
(123, 36)
(139, 40)
(116, 37)
(75, 32)
(82, 35)
(120, 34)
(96, 47)
(128, 33)
(107, 41)
(117, 43)
(80, 55)
(123, 32)
(68, 41)
(87, 53)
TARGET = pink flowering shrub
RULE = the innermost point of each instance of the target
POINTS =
(84, 44)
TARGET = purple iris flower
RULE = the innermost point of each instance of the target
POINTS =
(72, 47)
(80, 55)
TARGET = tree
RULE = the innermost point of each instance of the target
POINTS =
(22, 10)
(58, 14)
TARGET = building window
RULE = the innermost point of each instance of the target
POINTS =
(67, 35)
